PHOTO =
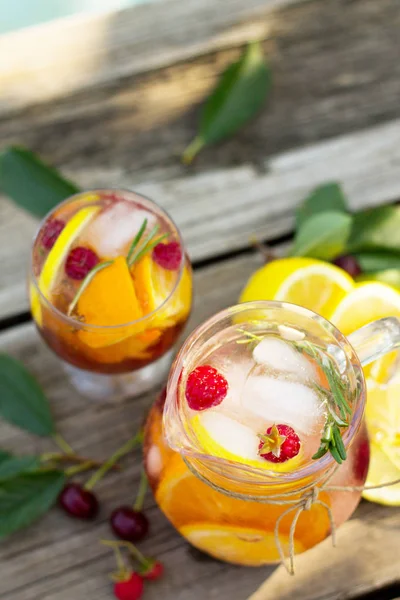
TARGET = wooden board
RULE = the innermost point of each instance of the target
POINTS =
(60, 559)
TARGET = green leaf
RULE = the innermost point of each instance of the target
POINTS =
(378, 260)
(16, 465)
(376, 228)
(325, 198)
(4, 455)
(323, 236)
(26, 498)
(390, 277)
(22, 401)
(30, 183)
(238, 96)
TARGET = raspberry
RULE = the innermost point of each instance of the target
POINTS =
(51, 231)
(168, 256)
(205, 387)
(279, 444)
(80, 261)
(154, 571)
(130, 589)
(349, 264)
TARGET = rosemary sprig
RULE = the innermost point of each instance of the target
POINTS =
(85, 283)
(150, 246)
(250, 337)
(136, 240)
(331, 438)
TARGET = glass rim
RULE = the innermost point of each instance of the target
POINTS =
(314, 466)
(90, 326)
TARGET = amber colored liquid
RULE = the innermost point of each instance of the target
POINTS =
(236, 530)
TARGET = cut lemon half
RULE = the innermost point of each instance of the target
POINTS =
(383, 422)
(154, 285)
(56, 257)
(239, 545)
(365, 303)
(314, 284)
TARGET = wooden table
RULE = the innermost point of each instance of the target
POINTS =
(112, 100)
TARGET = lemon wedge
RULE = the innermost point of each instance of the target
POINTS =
(57, 256)
(311, 283)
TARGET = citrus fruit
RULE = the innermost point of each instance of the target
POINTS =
(383, 423)
(109, 300)
(366, 302)
(154, 285)
(308, 282)
(240, 545)
(57, 255)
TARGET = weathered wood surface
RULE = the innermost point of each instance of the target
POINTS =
(112, 100)
(219, 211)
(60, 559)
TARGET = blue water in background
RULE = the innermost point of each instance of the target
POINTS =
(16, 14)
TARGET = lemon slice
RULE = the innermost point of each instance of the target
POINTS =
(365, 303)
(383, 422)
(224, 437)
(311, 283)
(241, 545)
(153, 286)
(56, 257)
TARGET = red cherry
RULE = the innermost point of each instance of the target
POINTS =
(51, 231)
(168, 256)
(130, 589)
(349, 264)
(287, 448)
(80, 261)
(154, 571)
(205, 387)
(128, 524)
(78, 502)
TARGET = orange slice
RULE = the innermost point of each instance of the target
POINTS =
(153, 286)
(239, 545)
(109, 300)
(136, 346)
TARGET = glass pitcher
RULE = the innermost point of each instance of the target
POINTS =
(205, 463)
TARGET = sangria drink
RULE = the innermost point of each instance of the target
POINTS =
(263, 411)
(110, 289)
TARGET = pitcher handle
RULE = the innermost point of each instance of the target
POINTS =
(376, 339)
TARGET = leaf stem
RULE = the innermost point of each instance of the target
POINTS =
(114, 458)
(62, 443)
(81, 468)
(143, 485)
(75, 458)
(129, 546)
(192, 150)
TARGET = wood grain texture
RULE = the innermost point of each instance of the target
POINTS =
(60, 559)
(221, 210)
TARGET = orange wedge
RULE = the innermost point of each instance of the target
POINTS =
(109, 300)
(154, 285)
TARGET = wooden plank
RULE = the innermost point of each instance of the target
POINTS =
(75, 53)
(331, 60)
(60, 559)
(219, 211)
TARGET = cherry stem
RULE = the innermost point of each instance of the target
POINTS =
(114, 458)
(62, 444)
(57, 457)
(141, 492)
(266, 252)
(85, 466)
(131, 548)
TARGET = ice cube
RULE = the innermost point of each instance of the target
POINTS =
(281, 356)
(282, 401)
(232, 436)
(111, 232)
